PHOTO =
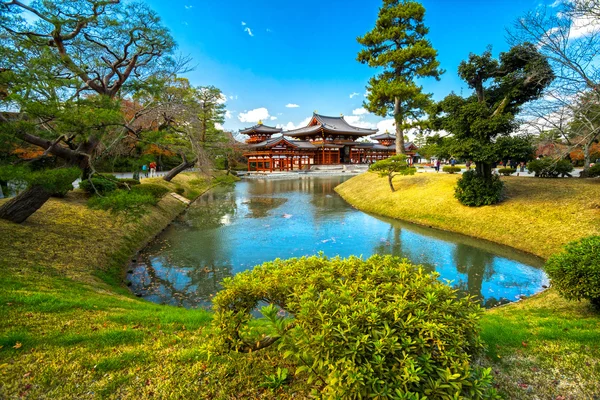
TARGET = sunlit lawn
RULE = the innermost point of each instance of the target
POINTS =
(541, 348)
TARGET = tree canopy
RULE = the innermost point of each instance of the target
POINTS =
(398, 45)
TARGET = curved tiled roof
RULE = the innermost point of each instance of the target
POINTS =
(260, 128)
(301, 144)
(336, 125)
(384, 136)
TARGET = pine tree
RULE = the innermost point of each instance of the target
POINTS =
(398, 45)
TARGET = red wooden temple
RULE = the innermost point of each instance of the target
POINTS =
(324, 141)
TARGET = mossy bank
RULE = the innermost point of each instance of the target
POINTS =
(70, 328)
(541, 348)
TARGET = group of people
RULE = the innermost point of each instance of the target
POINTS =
(151, 169)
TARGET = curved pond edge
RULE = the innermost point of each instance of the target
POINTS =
(420, 224)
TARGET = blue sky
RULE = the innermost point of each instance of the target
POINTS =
(265, 55)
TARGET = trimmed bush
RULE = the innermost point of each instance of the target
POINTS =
(575, 272)
(226, 180)
(156, 191)
(473, 190)
(129, 202)
(123, 183)
(506, 171)
(379, 327)
(550, 168)
(101, 184)
(594, 171)
(450, 169)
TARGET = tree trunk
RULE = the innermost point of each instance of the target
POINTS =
(390, 177)
(484, 169)
(180, 168)
(586, 159)
(399, 131)
(19, 208)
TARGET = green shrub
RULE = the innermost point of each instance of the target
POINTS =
(123, 183)
(126, 201)
(226, 180)
(180, 190)
(379, 327)
(594, 171)
(506, 171)
(57, 181)
(548, 167)
(575, 272)
(475, 191)
(156, 191)
(450, 169)
(99, 184)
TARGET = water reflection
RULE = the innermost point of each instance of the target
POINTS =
(232, 229)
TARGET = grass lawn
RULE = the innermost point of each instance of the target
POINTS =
(71, 329)
(541, 348)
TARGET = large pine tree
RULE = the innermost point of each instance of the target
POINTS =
(398, 45)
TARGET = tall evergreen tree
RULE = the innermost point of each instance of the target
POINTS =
(398, 45)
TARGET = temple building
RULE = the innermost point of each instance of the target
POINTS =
(324, 141)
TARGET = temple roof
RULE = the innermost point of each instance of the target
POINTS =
(260, 128)
(330, 125)
(384, 136)
(301, 144)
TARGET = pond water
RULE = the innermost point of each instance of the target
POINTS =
(231, 229)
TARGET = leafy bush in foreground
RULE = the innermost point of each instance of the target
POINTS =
(594, 171)
(450, 169)
(156, 191)
(506, 171)
(130, 202)
(99, 184)
(379, 327)
(473, 190)
(575, 272)
(550, 168)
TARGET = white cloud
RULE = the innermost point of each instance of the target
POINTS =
(386, 125)
(268, 30)
(254, 115)
(222, 99)
(228, 114)
(290, 125)
(243, 23)
(246, 29)
(185, 23)
(556, 3)
(188, 7)
(272, 118)
(583, 26)
(292, 105)
(360, 111)
(232, 97)
(354, 94)
(357, 120)
(219, 126)
(366, 93)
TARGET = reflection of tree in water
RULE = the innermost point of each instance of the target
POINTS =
(259, 207)
(477, 265)
(212, 210)
(167, 282)
(393, 245)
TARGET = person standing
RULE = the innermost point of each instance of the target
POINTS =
(152, 169)
(453, 161)
(145, 170)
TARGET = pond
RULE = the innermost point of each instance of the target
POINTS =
(232, 229)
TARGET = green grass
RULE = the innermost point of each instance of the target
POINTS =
(71, 329)
(541, 348)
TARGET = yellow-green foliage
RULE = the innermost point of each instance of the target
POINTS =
(360, 328)
(536, 216)
(540, 348)
(69, 328)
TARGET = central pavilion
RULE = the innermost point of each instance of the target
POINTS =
(324, 141)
